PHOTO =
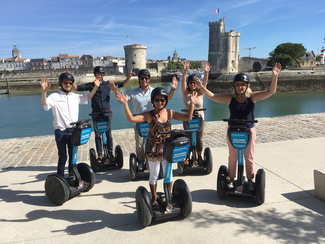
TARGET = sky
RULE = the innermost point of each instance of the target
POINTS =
(45, 29)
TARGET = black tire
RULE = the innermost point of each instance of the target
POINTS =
(222, 181)
(143, 205)
(180, 168)
(57, 189)
(260, 186)
(87, 175)
(119, 157)
(208, 160)
(182, 194)
(133, 166)
(161, 172)
(93, 159)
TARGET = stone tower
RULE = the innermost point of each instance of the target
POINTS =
(16, 52)
(223, 49)
(135, 57)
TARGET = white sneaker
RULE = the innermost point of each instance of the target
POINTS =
(230, 184)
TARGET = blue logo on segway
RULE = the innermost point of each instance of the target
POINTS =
(102, 126)
(239, 140)
(143, 129)
(194, 124)
(180, 153)
(85, 135)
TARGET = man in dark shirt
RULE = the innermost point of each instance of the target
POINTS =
(100, 103)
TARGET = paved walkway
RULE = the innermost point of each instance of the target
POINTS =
(289, 148)
(41, 150)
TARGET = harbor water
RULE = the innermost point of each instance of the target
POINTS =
(23, 116)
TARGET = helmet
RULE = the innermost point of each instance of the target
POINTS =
(65, 76)
(99, 69)
(144, 72)
(241, 77)
(159, 91)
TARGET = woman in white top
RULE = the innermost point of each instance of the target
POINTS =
(188, 88)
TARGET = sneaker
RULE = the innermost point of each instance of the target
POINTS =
(230, 184)
(250, 185)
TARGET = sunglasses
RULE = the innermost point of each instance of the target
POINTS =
(68, 83)
(159, 100)
(191, 83)
(144, 78)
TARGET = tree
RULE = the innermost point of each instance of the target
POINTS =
(174, 66)
(287, 54)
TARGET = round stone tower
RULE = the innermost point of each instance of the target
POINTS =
(223, 49)
(135, 57)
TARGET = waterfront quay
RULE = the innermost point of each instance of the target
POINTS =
(288, 148)
(41, 150)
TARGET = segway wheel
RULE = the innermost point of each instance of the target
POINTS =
(57, 189)
(182, 194)
(87, 175)
(260, 186)
(180, 168)
(133, 166)
(119, 157)
(208, 160)
(143, 205)
(222, 181)
(93, 160)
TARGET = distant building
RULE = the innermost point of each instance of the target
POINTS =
(308, 60)
(86, 61)
(16, 52)
(223, 49)
(135, 57)
(175, 57)
(64, 61)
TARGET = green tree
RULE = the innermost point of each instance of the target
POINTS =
(195, 65)
(287, 54)
(174, 66)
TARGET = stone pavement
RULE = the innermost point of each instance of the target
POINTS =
(289, 148)
(41, 150)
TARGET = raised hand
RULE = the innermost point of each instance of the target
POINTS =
(174, 83)
(207, 66)
(276, 69)
(45, 85)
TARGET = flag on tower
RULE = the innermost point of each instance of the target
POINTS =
(216, 11)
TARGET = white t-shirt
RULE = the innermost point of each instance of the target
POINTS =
(141, 101)
(65, 108)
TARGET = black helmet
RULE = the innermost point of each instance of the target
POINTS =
(144, 72)
(99, 69)
(241, 77)
(65, 76)
(159, 91)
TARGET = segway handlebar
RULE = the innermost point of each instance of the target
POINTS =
(101, 112)
(80, 122)
(175, 131)
(240, 121)
(195, 110)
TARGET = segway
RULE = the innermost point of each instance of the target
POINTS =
(137, 167)
(240, 135)
(60, 189)
(177, 203)
(101, 125)
(195, 125)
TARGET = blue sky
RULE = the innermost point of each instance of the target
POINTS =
(44, 29)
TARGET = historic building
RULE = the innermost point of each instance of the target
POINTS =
(223, 49)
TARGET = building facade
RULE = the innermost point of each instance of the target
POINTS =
(135, 57)
(223, 49)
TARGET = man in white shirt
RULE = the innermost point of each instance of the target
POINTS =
(141, 100)
(65, 110)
